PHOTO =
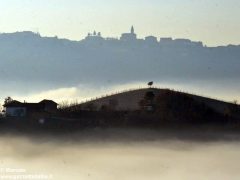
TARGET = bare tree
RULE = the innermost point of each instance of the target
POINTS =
(235, 102)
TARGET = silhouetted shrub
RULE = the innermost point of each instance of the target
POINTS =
(147, 103)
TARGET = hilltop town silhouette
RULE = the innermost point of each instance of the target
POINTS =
(97, 59)
(132, 39)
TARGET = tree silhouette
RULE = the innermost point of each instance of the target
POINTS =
(150, 84)
(149, 96)
(147, 101)
(8, 100)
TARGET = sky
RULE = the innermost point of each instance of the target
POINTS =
(215, 22)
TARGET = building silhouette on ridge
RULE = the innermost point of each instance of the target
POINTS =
(132, 36)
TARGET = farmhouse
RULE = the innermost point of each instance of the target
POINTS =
(19, 109)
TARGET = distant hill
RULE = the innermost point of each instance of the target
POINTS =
(27, 56)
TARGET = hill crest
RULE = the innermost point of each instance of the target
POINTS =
(130, 100)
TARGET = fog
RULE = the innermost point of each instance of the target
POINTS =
(225, 89)
(142, 156)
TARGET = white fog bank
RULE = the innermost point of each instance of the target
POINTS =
(106, 160)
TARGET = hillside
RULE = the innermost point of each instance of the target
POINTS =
(103, 60)
(145, 108)
(130, 101)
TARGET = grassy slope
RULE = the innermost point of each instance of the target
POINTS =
(130, 100)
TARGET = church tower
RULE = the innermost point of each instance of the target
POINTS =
(132, 30)
(130, 37)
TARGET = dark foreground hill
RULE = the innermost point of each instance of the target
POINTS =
(158, 105)
(143, 108)
(130, 100)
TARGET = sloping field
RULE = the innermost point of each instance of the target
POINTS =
(130, 100)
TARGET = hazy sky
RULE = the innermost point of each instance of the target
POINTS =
(215, 22)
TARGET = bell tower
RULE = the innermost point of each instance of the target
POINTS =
(132, 30)
(129, 36)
